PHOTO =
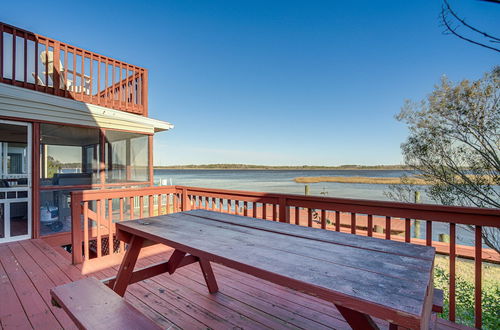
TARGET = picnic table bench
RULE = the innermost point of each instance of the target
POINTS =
(93, 305)
(363, 277)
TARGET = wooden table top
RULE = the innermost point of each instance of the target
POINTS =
(363, 273)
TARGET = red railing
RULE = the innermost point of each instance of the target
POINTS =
(46, 65)
(94, 213)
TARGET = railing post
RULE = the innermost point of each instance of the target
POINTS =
(144, 93)
(283, 213)
(184, 204)
(76, 230)
(56, 68)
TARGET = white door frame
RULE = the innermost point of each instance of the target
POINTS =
(7, 201)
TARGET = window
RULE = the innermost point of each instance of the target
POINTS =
(127, 157)
(14, 156)
(69, 155)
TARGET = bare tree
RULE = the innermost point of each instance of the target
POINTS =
(457, 26)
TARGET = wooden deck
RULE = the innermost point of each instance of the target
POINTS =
(28, 269)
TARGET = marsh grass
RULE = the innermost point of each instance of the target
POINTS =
(360, 179)
(412, 180)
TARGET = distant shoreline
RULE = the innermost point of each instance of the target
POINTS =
(264, 167)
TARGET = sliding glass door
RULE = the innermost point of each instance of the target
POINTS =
(15, 181)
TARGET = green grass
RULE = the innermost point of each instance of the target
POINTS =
(465, 291)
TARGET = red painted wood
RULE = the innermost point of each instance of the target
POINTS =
(223, 306)
(407, 230)
(357, 320)
(36, 309)
(92, 305)
(429, 213)
(337, 220)
(198, 226)
(387, 227)
(300, 304)
(175, 260)
(478, 311)
(100, 219)
(452, 291)
(438, 301)
(283, 210)
(370, 225)
(35, 178)
(269, 300)
(105, 96)
(76, 235)
(41, 282)
(141, 207)
(86, 229)
(428, 233)
(244, 301)
(209, 276)
(127, 266)
(289, 314)
(353, 223)
(184, 313)
(132, 207)
(12, 314)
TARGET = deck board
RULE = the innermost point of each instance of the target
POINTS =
(42, 282)
(37, 311)
(12, 314)
(28, 269)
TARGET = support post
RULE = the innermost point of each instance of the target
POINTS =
(283, 210)
(76, 230)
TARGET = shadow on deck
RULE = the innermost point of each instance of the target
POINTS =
(28, 269)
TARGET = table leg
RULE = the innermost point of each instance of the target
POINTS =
(356, 319)
(175, 260)
(128, 263)
(209, 276)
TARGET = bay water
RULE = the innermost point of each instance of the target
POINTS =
(282, 181)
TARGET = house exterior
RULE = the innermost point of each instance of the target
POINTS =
(70, 119)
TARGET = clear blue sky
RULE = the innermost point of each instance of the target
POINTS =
(274, 82)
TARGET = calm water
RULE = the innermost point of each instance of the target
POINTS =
(281, 181)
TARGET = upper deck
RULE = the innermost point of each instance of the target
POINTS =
(43, 64)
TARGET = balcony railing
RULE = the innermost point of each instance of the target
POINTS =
(94, 213)
(46, 65)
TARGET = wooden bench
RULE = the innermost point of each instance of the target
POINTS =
(437, 301)
(92, 305)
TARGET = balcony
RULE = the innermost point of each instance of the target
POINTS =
(95, 212)
(39, 63)
(30, 268)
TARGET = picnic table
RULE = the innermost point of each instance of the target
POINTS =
(363, 277)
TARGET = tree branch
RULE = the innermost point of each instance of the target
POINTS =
(454, 32)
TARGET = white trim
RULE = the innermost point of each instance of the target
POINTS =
(7, 201)
(28, 104)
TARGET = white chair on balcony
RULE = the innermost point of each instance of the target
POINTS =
(47, 58)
